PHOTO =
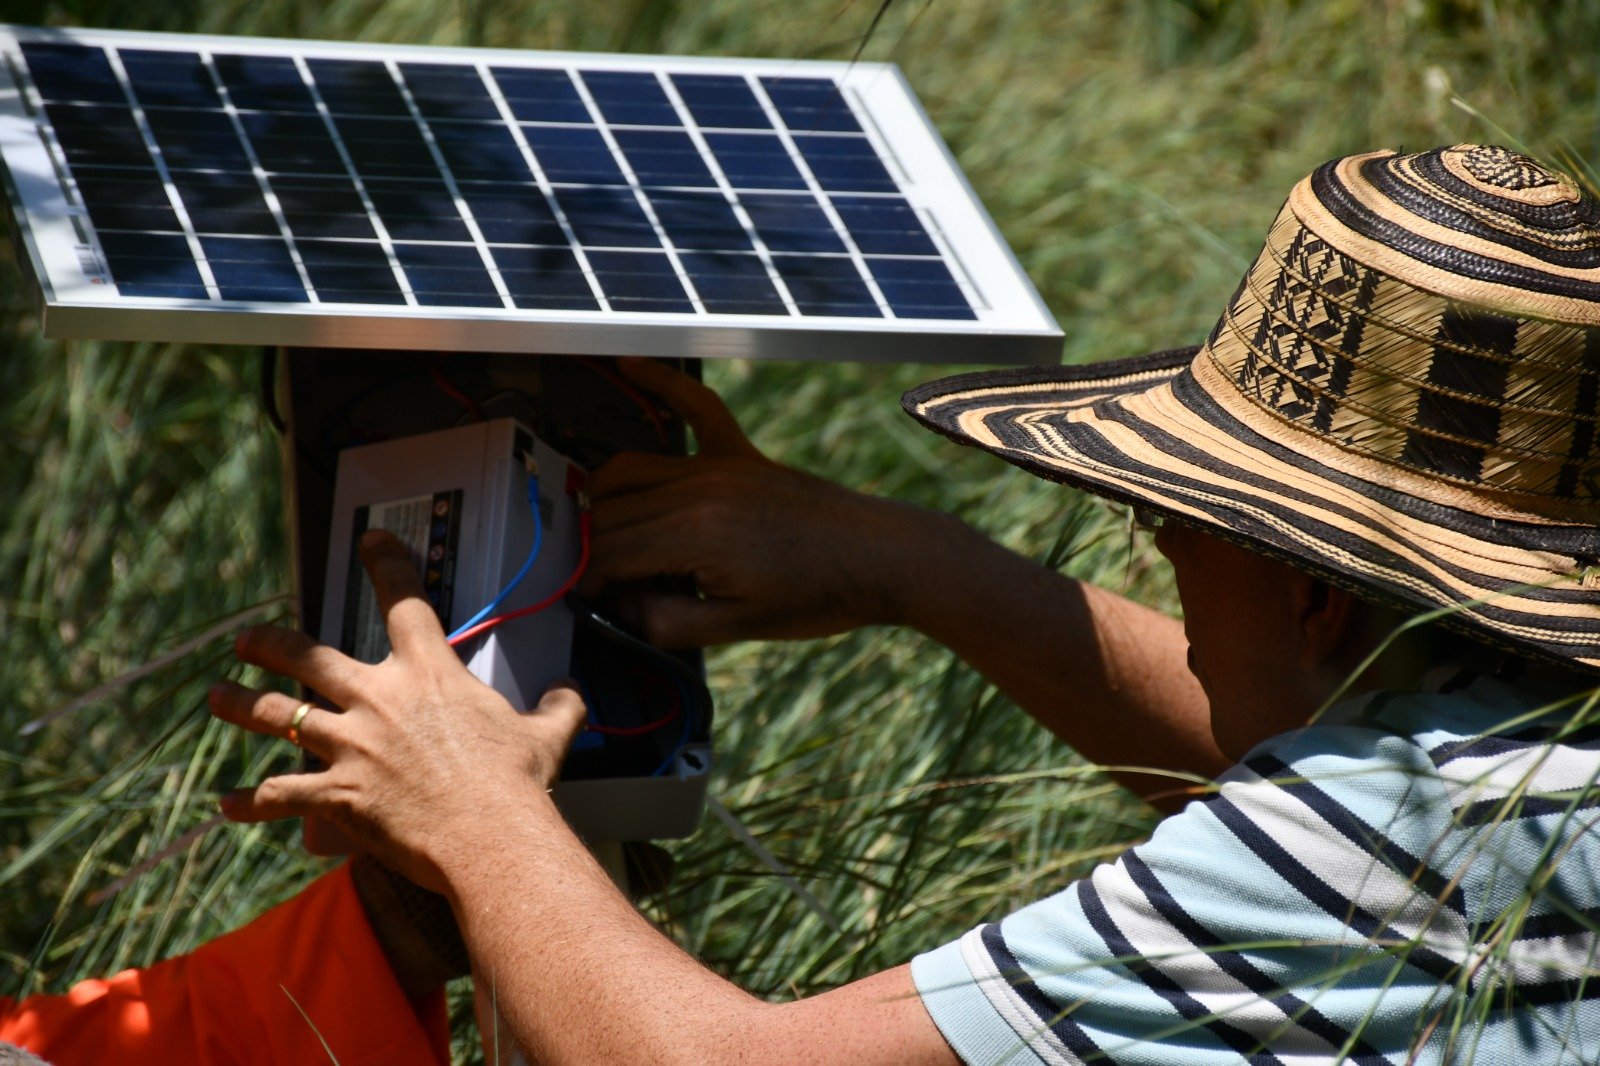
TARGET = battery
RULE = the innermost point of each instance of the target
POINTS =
(469, 503)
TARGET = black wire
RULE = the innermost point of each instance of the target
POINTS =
(269, 389)
(586, 616)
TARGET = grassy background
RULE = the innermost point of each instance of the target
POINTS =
(1133, 153)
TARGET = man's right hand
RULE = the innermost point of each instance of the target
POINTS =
(775, 553)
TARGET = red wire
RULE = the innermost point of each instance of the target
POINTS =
(566, 586)
(450, 389)
(622, 386)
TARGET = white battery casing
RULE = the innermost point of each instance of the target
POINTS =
(459, 499)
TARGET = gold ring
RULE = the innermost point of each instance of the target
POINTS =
(299, 715)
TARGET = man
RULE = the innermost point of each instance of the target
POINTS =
(1393, 420)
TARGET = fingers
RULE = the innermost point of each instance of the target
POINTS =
(271, 713)
(294, 654)
(632, 471)
(643, 551)
(715, 428)
(414, 629)
(284, 796)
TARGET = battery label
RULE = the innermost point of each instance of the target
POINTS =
(430, 526)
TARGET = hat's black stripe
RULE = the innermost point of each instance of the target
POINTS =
(1087, 379)
(1385, 179)
(1553, 217)
(1347, 209)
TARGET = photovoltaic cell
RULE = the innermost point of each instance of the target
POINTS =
(541, 95)
(402, 183)
(264, 83)
(811, 104)
(626, 98)
(160, 79)
(640, 281)
(721, 101)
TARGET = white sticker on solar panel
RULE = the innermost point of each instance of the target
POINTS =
(174, 187)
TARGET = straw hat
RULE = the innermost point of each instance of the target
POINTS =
(1401, 397)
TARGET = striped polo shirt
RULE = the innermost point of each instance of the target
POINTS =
(1416, 878)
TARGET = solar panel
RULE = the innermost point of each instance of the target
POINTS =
(235, 190)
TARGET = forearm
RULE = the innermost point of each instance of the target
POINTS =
(1106, 675)
(579, 976)
(575, 971)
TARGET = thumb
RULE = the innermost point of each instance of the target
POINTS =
(715, 428)
(560, 715)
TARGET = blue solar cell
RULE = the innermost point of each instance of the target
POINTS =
(545, 279)
(541, 95)
(447, 274)
(152, 264)
(721, 101)
(640, 281)
(253, 270)
(169, 79)
(224, 203)
(386, 146)
(883, 225)
(513, 214)
(920, 288)
(97, 134)
(197, 139)
(479, 152)
(322, 207)
(630, 98)
(357, 87)
(811, 104)
(264, 83)
(448, 90)
(573, 154)
(733, 283)
(699, 220)
(664, 157)
(844, 164)
(72, 72)
(608, 218)
(292, 143)
(755, 161)
(353, 272)
(418, 210)
(827, 285)
(791, 222)
(125, 198)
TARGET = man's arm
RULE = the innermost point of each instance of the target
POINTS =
(777, 553)
(447, 783)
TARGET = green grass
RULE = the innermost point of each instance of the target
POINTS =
(1132, 153)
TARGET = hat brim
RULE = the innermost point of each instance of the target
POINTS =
(1143, 431)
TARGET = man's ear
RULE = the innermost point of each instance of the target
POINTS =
(1325, 618)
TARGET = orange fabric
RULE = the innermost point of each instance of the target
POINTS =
(225, 1004)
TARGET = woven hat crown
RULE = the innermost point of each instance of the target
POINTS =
(1431, 321)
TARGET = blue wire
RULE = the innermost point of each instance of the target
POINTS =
(533, 554)
(688, 726)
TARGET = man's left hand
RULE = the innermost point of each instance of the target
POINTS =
(418, 751)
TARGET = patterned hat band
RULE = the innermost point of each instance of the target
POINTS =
(1401, 397)
(1501, 406)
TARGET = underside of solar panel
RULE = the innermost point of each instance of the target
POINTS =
(234, 190)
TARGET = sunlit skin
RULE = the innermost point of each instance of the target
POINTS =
(446, 782)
